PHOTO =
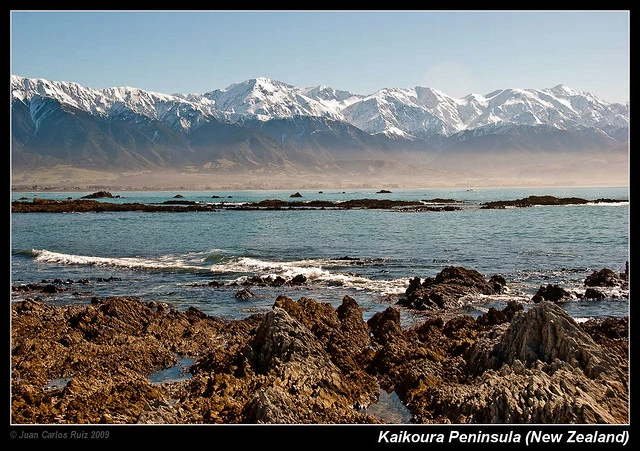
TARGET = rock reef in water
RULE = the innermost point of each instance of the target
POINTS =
(605, 278)
(100, 195)
(88, 205)
(544, 200)
(277, 204)
(308, 362)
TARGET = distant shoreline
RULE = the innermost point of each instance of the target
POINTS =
(22, 189)
(89, 204)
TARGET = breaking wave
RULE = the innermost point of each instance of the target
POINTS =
(315, 270)
(239, 269)
(166, 262)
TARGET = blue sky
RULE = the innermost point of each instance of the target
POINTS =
(458, 52)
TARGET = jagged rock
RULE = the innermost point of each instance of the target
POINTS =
(341, 332)
(547, 333)
(281, 339)
(296, 195)
(515, 394)
(385, 325)
(308, 386)
(308, 362)
(544, 368)
(611, 334)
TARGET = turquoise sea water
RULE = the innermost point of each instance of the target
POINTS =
(369, 255)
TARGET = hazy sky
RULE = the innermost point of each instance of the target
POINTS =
(458, 52)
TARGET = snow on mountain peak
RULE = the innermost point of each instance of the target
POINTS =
(417, 112)
(563, 90)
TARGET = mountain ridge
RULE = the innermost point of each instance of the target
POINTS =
(267, 99)
(262, 124)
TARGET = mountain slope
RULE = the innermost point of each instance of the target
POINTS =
(263, 124)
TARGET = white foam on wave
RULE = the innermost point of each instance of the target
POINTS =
(162, 262)
(609, 204)
(313, 269)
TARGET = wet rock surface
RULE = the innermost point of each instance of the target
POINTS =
(307, 362)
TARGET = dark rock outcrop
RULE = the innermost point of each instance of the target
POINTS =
(100, 195)
(608, 278)
(592, 293)
(494, 316)
(448, 287)
(298, 279)
(551, 292)
(86, 206)
(543, 200)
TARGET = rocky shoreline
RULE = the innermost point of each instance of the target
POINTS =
(306, 362)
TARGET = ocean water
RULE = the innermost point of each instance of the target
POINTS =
(369, 255)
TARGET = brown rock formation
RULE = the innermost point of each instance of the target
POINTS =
(307, 362)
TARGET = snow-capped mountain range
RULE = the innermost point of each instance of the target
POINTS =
(262, 122)
(417, 112)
